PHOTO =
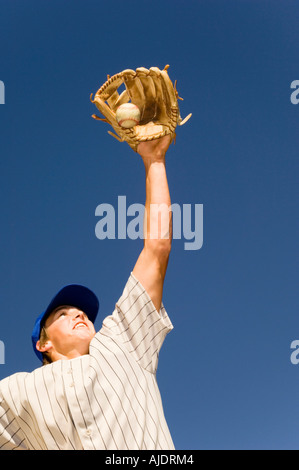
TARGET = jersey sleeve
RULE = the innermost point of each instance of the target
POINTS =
(11, 435)
(137, 325)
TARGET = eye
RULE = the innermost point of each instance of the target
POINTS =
(62, 314)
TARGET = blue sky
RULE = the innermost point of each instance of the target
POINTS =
(225, 373)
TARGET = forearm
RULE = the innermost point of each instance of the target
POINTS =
(151, 265)
(157, 219)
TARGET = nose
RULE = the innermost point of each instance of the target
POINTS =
(79, 314)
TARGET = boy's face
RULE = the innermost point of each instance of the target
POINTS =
(69, 333)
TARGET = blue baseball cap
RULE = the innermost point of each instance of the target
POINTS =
(75, 295)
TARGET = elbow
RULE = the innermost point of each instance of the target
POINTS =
(158, 242)
(160, 249)
(164, 248)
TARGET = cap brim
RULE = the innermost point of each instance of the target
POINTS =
(75, 295)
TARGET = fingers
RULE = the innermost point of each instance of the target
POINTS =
(142, 91)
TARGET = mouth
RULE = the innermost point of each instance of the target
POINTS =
(80, 324)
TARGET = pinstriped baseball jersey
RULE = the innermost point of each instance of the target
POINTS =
(107, 399)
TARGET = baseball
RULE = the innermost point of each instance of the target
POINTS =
(128, 115)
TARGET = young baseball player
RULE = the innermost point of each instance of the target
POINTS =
(99, 390)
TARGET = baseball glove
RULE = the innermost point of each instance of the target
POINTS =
(154, 94)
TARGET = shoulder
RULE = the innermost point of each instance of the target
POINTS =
(11, 385)
(11, 379)
(135, 326)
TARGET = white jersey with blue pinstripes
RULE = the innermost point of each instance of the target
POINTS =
(107, 399)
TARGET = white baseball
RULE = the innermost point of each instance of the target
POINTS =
(128, 115)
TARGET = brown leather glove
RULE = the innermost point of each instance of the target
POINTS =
(154, 94)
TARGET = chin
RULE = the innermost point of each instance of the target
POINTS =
(85, 335)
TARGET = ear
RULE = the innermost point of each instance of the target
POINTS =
(45, 347)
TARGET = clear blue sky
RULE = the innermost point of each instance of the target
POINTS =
(225, 373)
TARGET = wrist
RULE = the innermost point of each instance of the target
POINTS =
(154, 150)
(153, 159)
